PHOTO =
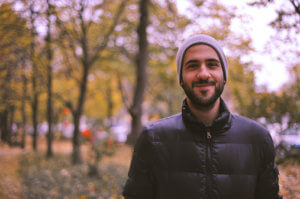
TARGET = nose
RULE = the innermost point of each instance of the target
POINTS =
(203, 72)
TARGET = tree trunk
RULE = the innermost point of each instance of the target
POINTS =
(136, 128)
(5, 134)
(76, 116)
(34, 104)
(77, 159)
(49, 84)
(34, 108)
(141, 73)
(23, 141)
(3, 125)
(11, 122)
(110, 104)
(76, 156)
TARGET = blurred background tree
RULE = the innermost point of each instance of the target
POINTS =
(14, 40)
(287, 18)
(85, 39)
(282, 106)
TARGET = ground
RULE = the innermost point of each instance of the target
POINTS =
(10, 183)
(10, 186)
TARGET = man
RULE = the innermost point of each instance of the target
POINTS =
(205, 152)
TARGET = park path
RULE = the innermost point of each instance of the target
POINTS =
(289, 181)
(10, 183)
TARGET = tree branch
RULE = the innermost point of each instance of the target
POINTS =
(67, 103)
(102, 46)
(123, 96)
(125, 52)
(297, 7)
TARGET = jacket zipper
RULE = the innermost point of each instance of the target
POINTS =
(208, 162)
(208, 135)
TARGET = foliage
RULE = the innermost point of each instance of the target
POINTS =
(14, 43)
(57, 178)
(287, 155)
(12, 40)
(283, 104)
(83, 36)
(287, 15)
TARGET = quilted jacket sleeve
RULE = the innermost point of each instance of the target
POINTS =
(140, 179)
(267, 185)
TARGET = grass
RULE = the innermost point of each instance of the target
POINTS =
(28, 174)
(57, 178)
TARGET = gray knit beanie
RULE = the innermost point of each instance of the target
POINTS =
(201, 39)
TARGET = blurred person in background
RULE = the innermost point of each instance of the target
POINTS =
(204, 152)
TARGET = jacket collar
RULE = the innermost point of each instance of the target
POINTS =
(220, 124)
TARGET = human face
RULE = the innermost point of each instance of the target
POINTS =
(202, 76)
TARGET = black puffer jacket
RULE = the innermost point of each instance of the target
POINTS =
(179, 158)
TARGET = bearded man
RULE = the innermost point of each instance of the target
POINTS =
(204, 152)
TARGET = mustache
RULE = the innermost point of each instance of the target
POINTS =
(194, 83)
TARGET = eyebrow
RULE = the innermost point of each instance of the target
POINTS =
(196, 61)
(212, 60)
(191, 61)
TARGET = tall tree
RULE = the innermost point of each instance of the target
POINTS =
(49, 55)
(13, 46)
(141, 73)
(77, 38)
(166, 27)
(34, 78)
(23, 107)
(8, 106)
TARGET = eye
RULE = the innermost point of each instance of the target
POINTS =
(191, 66)
(212, 64)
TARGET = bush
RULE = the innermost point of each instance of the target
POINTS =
(57, 178)
(286, 154)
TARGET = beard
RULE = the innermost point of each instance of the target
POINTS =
(202, 102)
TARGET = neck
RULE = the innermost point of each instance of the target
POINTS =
(205, 114)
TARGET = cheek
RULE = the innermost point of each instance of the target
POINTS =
(187, 77)
(218, 75)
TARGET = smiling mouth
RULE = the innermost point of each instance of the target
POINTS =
(202, 85)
